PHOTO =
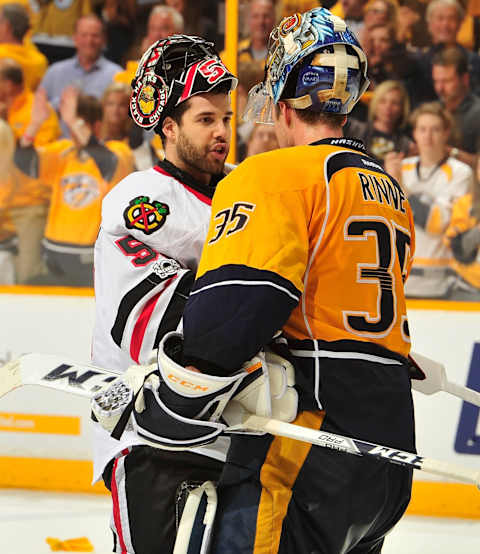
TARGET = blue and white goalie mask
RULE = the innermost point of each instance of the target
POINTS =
(330, 67)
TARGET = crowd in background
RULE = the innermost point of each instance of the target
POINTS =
(66, 137)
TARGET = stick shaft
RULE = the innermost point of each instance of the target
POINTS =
(469, 395)
(361, 448)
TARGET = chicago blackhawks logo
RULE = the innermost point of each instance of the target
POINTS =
(145, 216)
(149, 96)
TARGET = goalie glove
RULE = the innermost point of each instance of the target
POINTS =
(177, 409)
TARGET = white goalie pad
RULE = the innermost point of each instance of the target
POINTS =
(196, 524)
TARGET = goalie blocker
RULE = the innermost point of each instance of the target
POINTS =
(174, 408)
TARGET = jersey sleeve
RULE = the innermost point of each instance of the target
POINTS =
(252, 268)
(143, 301)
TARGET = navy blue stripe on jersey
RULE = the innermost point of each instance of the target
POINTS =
(130, 300)
(173, 314)
(232, 312)
(342, 160)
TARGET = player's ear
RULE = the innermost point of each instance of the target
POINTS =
(170, 128)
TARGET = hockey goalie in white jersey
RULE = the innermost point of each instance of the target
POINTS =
(153, 226)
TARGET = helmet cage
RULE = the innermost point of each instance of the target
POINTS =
(171, 71)
(333, 73)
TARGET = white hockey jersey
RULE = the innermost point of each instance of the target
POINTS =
(154, 223)
(432, 194)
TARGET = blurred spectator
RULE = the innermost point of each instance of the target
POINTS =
(352, 12)
(17, 106)
(80, 172)
(28, 204)
(452, 84)
(463, 237)
(14, 25)
(119, 18)
(389, 59)
(117, 125)
(88, 70)
(163, 21)
(55, 26)
(197, 17)
(444, 18)
(260, 21)
(288, 7)
(262, 139)
(378, 12)
(434, 181)
(7, 230)
(116, 121)
(387, 117)
(410, 29)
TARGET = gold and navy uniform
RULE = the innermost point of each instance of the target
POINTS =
(79, 179)
(322, 252)
(316, 240)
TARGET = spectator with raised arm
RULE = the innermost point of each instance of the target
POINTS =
(17, 107)
(79, 171)
(88, 71)
(14, 25)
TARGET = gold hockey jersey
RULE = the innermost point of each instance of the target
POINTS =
(317, 240)
(79, 179)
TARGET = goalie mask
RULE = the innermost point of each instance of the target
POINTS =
(171, 71)
(324, 58)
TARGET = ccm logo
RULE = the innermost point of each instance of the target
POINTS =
(187, 384)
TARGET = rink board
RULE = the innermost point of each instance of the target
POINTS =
(45, 434)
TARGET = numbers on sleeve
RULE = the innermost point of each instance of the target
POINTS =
(391, 241)
(232, 220)
(141, 254)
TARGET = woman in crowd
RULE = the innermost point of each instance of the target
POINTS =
(387, 116)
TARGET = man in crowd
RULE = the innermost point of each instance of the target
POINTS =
(18, 104)
(14, 25)
(444, 18)
(153, 226)
(88, 71)
(451, 80)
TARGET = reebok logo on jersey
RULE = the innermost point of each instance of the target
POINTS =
(145, 216)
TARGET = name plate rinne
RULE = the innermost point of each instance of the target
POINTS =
(36, 423)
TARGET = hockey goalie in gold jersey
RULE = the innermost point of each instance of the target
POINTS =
(315, 239)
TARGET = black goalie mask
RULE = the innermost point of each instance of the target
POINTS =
(171, 71)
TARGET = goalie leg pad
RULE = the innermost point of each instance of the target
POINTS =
(195, 527)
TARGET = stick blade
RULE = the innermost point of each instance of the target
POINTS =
(435, 375)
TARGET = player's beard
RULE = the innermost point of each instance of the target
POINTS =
(197, 157)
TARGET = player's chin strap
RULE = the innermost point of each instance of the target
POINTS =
(177, 409)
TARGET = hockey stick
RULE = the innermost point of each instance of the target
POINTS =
(435, 380)
(358, 447)
(54, 372)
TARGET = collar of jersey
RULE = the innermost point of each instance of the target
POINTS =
(189, 181)
(352, 143)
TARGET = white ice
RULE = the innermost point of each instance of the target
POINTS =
(28, 517)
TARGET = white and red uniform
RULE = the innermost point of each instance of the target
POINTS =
(148, 218)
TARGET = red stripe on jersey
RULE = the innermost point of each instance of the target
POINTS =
(142, 323)
(116, 507)
(199, 195)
